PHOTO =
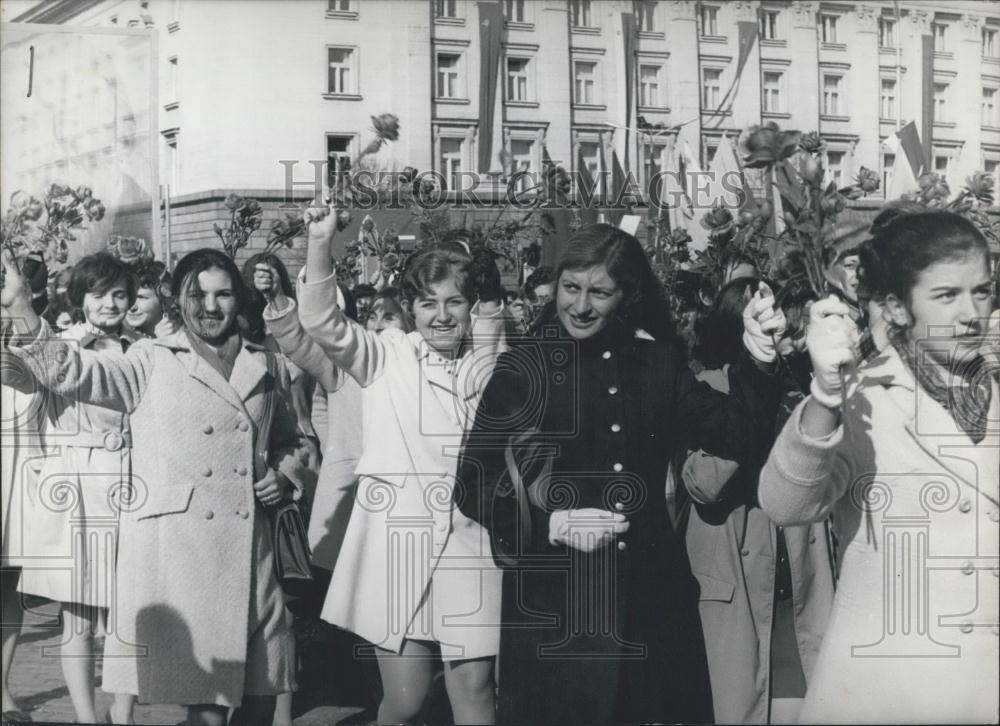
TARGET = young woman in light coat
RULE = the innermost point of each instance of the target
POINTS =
(199, 617)
(907, 460)
(412, 571)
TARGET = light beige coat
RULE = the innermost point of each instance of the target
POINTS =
(198, 616)
(404, 532)
(913, 637)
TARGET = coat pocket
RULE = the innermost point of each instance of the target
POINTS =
(713, 589)
(166, 500)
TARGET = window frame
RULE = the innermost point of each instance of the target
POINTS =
(893, 99)
(994, 46)
(528, 77)
(706, 106)
(993, 120)
(353, 72)
(834, 34)
(892, 32)
(597, 95)
(646, 10)
(780, 91)
(661, 85)
(710, 12)
(579, 8)
(775, 15)
(460, 91)
(841, 94)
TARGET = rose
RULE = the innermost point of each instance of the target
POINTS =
(20, 201)
(386, 126)
(980, 185)
(343, 220)
(867, 180)
(94, 209)
(718, 221)
(84, 193)
(833, 203)
(34, 211)
(811, 143)
(767, 145)
(811, 171)
(131, 249)
(368, 224)
(409, 174)
(933, 188)
(233, 201)
(390, 261)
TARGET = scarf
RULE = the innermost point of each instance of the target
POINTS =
(966, 396)
(223, 358)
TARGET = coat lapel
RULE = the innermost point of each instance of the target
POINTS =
(248, 371)
(200, 370)
(934, 430)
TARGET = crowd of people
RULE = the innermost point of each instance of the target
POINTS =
(578, 505)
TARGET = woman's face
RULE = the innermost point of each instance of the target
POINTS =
(145, 312)
(209, 308)
(106, 310)
(384, 316)
(443, 317)
(586, 300)
(64, 320)
(949, 306)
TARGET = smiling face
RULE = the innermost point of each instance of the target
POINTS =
(145, 312)
(586, 300)
(106, 309)
(949, 303)
(209, 307)
(845, 274)
(442, 316)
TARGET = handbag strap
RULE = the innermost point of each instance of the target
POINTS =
(523, 493)
(266, 417)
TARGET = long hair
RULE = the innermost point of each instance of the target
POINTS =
(185, 275)
(720, 332)
(253, 312)
(644, 303)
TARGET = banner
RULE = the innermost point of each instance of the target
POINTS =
(628, 40)
(490, 53)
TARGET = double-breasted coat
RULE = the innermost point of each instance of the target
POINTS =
(70, 544)
(410, 566)
(913, 636)
(198, 616)
(612, 635)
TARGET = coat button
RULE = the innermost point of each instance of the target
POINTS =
(965, 506)
(616, 428)
(613, 390)
(966, 626)
(208, 429)
(242, 471)
(242, 513)
(206, 471)
(606, 355)
(745, 553)
(967, 568)
(617, 467)
(812, 539)
(209, 514)
(621, 546)
(244, 426)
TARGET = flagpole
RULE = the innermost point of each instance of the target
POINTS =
(898, 36)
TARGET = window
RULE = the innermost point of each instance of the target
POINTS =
(711, 88)
(173, 78)
(451, 161)
(990, 107)
(649, 86)
(769, 25)
(338, 156)
(446, 8)
(887, 33)
(835, 167)
(709, 20)
(941, 102)
(992, 167)
(771, 101)
(591, 152)
(517, 79)
(940, 38)
(173, 165)
(989, 43)
(513, 10)
(580, 13)
(887, 105)
(829, 27)
(339, 6)
(522, 153)
(447, 75)
(832, 92)
(888, 161)
(585, 82)
(941, 164)
(645, 16)
(652, 164)
(341, 76)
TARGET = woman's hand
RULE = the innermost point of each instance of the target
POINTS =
(832, 343)
(167, 326)
(272, 488)
(321, 224)
(586, 529)
(763, 325)
(15, 297)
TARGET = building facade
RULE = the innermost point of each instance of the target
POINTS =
(253, 94)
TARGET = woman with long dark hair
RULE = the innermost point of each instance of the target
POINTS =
(566, 465)
(905, 456)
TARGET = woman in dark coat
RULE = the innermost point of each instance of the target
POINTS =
(566, 466)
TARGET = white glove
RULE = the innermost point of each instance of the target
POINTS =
(585, 529)
(832, 342)
(763, 324)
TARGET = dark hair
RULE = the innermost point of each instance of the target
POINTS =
(434, 264)
(58, 305)
(350, 305)
(97, 273)
(364, 290)
(910, 243)
(194, 263)
(485, 275)
(253, 311)
(734, 259)
(644, 303)
(720, 332)
(391, 298)
(541, 276)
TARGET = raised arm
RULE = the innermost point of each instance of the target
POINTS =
(282, 320)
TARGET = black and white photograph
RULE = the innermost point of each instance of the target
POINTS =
(499, 362)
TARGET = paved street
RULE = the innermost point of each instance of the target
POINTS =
(37, 683)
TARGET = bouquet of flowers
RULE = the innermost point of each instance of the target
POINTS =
(47, 226)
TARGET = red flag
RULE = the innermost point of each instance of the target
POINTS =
(491, 50)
